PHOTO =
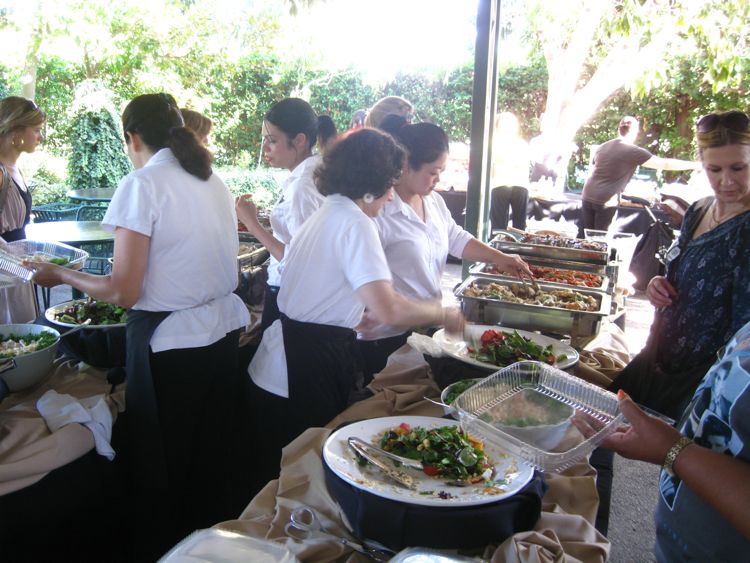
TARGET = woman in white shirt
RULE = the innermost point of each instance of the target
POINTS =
(290, 130)
(418, 233)
(175, 267)
(305, 367)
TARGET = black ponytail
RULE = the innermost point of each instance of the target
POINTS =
(156, 118)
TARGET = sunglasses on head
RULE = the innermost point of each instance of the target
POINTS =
(31, 106)
(734, 120)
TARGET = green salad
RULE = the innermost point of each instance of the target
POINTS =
(100, 313)
(505, 348)
(445, 452)
(455, 389)
(16, 345)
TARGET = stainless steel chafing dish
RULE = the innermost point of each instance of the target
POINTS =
(600, 257)
(479, 269)
(252, 253)
(533, 317)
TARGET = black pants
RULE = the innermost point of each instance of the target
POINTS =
(205, 431)
(506, 199)
(596, 216)
(374, 353)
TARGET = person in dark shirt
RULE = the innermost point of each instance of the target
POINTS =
(614, 165)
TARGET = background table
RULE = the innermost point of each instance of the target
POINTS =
(92, 194)
(73, 233)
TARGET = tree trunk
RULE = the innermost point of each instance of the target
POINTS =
(28, 79)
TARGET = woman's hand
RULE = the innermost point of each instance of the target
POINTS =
(247, 212)
(45, 274)
(453, 320)
(660, 292)
(512, 264)
(646, 439)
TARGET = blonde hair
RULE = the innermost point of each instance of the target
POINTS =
(386, 106)
(197, 122)
(722, 128)
(16, 113)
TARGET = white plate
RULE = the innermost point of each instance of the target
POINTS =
(457, 348)
(49, 314)
(343, 462)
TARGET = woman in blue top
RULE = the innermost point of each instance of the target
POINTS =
(705, 296)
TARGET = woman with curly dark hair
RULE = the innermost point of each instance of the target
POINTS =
(305, 368)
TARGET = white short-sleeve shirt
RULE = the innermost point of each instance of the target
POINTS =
(336, 252)
(192, 261)
(299, 199)
(417, 250)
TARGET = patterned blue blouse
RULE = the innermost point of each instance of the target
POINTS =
(712, 276)
(687, 528)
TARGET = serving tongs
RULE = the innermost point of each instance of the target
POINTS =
(531, 286)
(371, 453)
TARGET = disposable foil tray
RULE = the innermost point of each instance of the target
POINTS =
(13, 253)
(528, 409)
(486, 310)
(601, 257)
(485, 270)
(252, 252)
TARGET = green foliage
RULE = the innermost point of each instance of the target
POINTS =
(260, 182)
(522, 90)
(97, 159)
(55, 88)
(340, 95)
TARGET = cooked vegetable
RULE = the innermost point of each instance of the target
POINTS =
(13, 345)
(100, 313)
(564, 242)
(519, 293)
(505, 348)
(445, 452)
(558, 275)
(41, 257)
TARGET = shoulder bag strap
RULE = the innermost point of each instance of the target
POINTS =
(5, 186)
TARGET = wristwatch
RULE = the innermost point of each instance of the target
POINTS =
(673, 452)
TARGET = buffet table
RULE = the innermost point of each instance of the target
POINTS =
(565, 529)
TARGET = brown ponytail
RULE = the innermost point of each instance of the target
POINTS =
(158, 121)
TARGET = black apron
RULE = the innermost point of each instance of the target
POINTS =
(20, 232)
(322, 371)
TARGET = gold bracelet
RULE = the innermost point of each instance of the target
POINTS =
(673, 452)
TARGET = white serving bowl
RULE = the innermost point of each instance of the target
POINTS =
(33, 367)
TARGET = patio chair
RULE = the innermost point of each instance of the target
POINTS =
(91, 212)
(55, 212)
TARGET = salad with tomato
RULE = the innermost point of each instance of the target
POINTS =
(445, 452)
(505, 348)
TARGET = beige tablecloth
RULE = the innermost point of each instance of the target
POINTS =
(28, 450)
(564, 533)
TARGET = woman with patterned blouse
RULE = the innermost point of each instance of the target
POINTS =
(705, 296)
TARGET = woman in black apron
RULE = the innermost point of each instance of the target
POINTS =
(21, 125)
(306, 366)
(175, 268)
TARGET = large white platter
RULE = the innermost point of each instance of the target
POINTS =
(50, 313)
(343, 462)
(457, 348)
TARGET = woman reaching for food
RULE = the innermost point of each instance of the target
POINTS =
(418, 232)
(290, 131)
(175, 267)
(306, 367)
(705, 296)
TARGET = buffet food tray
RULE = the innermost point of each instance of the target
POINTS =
(484, 310)
(480, 269)
(553, 252)
(252, 252)
(13, 253)
(528, 410)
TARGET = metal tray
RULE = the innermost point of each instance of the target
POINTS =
(498, 409)
(478, 269)
(553, 252)
(533, 317)
(257, 255)
(13, 253)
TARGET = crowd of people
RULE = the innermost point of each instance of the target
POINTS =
(358, 244)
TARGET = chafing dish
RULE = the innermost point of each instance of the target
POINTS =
(533, 317)
(480, 269)
(600, 257)
(252, 253)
